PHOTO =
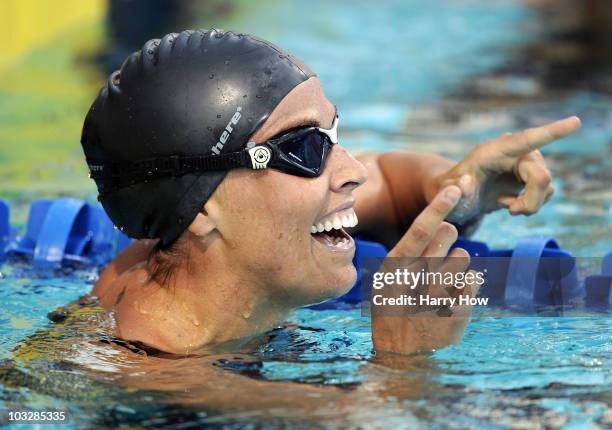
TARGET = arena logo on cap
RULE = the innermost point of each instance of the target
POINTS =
(227, 132)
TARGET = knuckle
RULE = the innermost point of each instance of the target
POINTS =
(530, 156)
(543, 178)
(461, 253)
(529, 210)
(461, 259)
(441, 206)
(439, 209)
(526, 208)
(537, 154)
(420, 233)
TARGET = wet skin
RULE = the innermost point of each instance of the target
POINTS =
(202, 380)
(251, 258)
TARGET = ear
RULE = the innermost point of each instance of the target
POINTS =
(202, 224)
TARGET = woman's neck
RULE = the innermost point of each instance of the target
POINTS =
(201, 305)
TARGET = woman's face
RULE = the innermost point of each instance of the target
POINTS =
(265, 218)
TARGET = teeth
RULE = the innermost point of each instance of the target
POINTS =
(346, 219)
(352, 220)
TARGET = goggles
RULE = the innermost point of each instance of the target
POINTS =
(301, 152)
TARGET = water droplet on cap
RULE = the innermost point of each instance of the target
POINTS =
(212, 75)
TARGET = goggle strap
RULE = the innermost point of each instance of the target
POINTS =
(116, 175)
(121, 174)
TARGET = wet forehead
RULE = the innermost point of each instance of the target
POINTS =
(306, 104)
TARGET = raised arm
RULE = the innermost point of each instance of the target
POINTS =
(507, 172)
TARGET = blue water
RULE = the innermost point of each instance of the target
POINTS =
(510, 372)
(398, 74)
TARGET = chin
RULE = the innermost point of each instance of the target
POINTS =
(339, 283)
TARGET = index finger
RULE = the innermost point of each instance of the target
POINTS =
(519, 144)
(424, 227)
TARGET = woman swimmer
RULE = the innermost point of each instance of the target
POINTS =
(219, 151)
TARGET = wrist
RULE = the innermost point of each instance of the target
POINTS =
(466, 216)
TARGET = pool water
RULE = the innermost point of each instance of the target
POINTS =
(433, 76)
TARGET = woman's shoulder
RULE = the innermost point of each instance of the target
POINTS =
(111, 291)
(120, 271)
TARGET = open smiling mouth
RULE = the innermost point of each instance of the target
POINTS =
(330, 230)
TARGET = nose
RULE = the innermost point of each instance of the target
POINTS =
(346, 172)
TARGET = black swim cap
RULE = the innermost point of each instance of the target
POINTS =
(190, 94)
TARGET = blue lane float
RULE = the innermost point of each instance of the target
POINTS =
(5, 227)
(599, 287)
(537, 272)
(66, 230)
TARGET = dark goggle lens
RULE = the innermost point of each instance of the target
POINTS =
(308, 151)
